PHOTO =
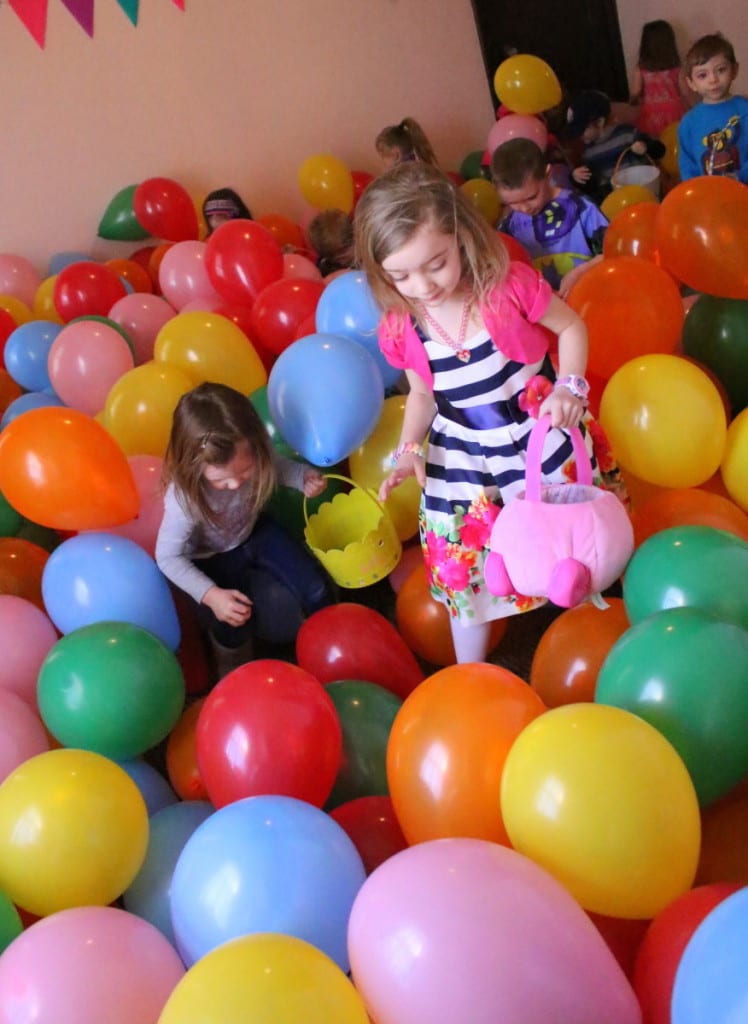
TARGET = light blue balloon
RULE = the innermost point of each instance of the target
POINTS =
(27, 351)
(711, 983)
(101, 577)
(31, 400)
(60, 260)
(347, 307)
(325, 394)
(170, 828)
(153, 787)
(266, 864)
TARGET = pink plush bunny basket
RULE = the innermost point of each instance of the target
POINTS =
(560, 541)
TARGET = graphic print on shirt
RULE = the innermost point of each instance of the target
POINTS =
(721, 154)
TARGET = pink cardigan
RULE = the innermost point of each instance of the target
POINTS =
(510, 316)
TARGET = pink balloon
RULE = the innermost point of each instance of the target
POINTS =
(183, 277)
(18, 277)
(410, 559)
(26, 638)
(142, 316)
(203, 304)
(458, 930)
(296, 265)
(517, 126)
(85, 361)
(22, 734)
(143, 529)
(88, 965)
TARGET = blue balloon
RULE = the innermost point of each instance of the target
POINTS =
(347, 307)
(170, 828)
(266, 864)
(153, 787)
(325, 394)
(31, 400)
(60, 260)
(711, 982)
(26, 353)
(101, 577)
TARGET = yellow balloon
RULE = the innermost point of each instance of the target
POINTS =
(370, 464)
(44, 303)
(17, 309)
(267, 977)
(526, 84)
(735, 460)
(665, 421)
(483, 196)
(139, 408)
(73, 831)
(602, 801)
(669, 139)
(208, 346)
(326, 183)
(626, 195)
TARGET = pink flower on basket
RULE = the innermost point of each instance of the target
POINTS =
(535, 393)
(477, 522)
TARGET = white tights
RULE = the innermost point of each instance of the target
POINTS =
(471, 642)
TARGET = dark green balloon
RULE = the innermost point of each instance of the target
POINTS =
(689, 567)
(11, 924)
(119, 222)
(716, 333)
(471, 166)
(113, 688)
(259, 400)
(10, 520)
(686, 673)
(42, 536)
(366, 713)
(286, 506)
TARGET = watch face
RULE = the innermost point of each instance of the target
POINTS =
(580, 384)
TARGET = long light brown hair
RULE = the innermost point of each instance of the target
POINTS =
(209, 422)
(408, 140)
(395, 205)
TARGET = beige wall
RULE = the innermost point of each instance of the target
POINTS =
(232, 92)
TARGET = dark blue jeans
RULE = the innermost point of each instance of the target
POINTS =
(285, 583)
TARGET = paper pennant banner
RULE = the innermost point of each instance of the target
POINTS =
(83, 12)
(33, 14)
(179, 3)
(130, 7)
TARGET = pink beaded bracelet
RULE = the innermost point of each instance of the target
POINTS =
(407, 448)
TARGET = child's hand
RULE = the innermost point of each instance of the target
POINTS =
(640, 148)
(565, 409)
(229, 606)
(569, 279)
(314, 483)
(581, 175)
(407, 465)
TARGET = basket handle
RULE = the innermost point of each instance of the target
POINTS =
(535, 456)
(346, 480)
(620, 160)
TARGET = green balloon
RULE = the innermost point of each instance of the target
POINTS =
(112, 688)
(11, 924)
(259, 400)
(366, 713)
(716, 333)
(471, 167)
(10, 520)
(685, 673)
(109, 323)
(119, 222)
(689, 567)
(286, 506)
(42, 536)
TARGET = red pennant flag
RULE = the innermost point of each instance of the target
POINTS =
(179, 3)
(130, 7)
(83, 12)
(33, 14)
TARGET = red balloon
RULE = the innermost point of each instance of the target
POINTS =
(241, 258)
(372, 827)
(242, 317)
(21, 569)
(7, 326)
(9, 390)
(142, 257)
(360, 180)
(351, 641)
(664, 944)
(165, 209)
(516, 250)
(306, 327)
(86, 289)
(280, 308)
(623, 938)
(269, 727)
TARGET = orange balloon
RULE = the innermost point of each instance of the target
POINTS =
(60, 468)
(631, 308)
(632, 233)
(570, 652)
(447, 749)
(9, 390)
(639, 491)
(424, 622)
(688, 506)
(154, 264)
(724, 842)
(21, 567)
(702, 235)
(181, 756)
(133, 273)
(283, 230)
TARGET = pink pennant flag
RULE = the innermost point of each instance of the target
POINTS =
(33, 14)
(83, 12)
(179, 4)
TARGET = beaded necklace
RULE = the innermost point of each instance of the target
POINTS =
(457, 345)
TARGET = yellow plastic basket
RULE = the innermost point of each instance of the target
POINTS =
(353, 536)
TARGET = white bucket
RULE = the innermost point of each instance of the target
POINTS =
(646, 175)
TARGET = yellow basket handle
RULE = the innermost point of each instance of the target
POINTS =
(346, 480)
(620, 158)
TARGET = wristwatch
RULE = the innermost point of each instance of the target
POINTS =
(578, 386)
